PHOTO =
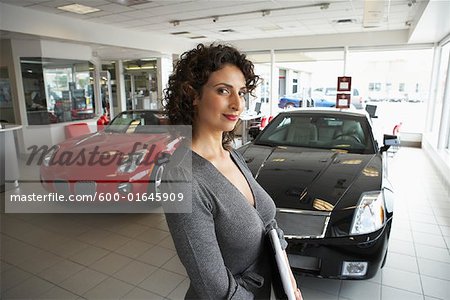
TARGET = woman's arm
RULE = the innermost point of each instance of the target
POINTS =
(195, 240)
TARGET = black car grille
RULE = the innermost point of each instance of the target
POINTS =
(85, 187)
(80, 187)
(62, 187)
(302, 224)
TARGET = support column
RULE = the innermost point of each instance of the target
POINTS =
(165, 68)
(120, 84)
(345, 60)
(273, 85)
(97, 89)
(445, 116)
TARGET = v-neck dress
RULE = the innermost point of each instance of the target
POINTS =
(221, 243)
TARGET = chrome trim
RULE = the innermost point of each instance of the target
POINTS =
(304, 212)
(325, 226)
(301, 237)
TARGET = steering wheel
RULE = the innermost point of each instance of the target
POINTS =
(349, 135)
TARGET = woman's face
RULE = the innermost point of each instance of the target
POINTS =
(222, 99)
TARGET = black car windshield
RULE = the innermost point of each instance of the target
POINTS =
(342, 133)
(138, 122)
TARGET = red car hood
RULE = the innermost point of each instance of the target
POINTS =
(113, 141)
(98, 156)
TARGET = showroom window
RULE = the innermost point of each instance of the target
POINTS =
(57, 90)
(6, 104)
(295, 83)
(318, 69)
(397, 81)
(108, 85)
(260, 101)
(141, 83)
(440, 93)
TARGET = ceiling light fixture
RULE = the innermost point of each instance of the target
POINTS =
(197, 37)
(131, 2)
(140, 68)
(344, 21)
(264, 12)
(412, 2)
(180, 32)
(78, 9)
(373, 13)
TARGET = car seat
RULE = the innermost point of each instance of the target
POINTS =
(349, 130)
(301, 132)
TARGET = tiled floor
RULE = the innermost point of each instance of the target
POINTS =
(131, 256)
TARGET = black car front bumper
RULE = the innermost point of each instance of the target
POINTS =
(324, 257)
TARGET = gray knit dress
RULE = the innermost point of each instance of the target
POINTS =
(221, 243)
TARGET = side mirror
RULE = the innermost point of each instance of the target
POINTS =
(388, 141)
(254, 131)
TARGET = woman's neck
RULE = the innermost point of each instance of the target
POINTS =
(209, 145)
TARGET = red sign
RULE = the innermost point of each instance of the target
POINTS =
(342, 100)
(344, 84)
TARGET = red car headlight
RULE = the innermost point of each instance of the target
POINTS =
(131, 161)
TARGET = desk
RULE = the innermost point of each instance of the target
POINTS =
(9, 165)
(245, 118)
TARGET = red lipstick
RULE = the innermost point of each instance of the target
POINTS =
(231, 117)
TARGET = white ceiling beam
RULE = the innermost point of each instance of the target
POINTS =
(375, 38)
(433, 23)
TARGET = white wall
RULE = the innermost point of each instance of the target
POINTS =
(11, 114)
(48, 134)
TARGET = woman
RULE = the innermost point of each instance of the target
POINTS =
(221, 243)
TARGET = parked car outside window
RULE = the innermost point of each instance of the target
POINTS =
(326, 97)
(293, 101)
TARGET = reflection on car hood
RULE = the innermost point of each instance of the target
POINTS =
(311, 179)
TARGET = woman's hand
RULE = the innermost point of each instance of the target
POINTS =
(298, 295)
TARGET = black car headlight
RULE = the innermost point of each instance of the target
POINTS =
(132, 161)
(49, 155)
(369, 214)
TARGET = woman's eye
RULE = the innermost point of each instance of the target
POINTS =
(242, 93)
(223, 91)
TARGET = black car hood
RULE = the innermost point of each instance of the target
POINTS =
(309, 179)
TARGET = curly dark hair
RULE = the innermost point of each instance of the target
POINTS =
(192, 72)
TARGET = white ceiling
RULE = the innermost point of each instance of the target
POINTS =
(289, 19)
(245, 18)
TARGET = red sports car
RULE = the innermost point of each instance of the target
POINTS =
(127, 157)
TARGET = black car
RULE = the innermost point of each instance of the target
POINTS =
(327, 175)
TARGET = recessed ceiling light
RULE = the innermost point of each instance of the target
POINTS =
(180, 32)
(344, 21)
(270, 28)
(226, 30)
(132, 2)
(78, 8)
